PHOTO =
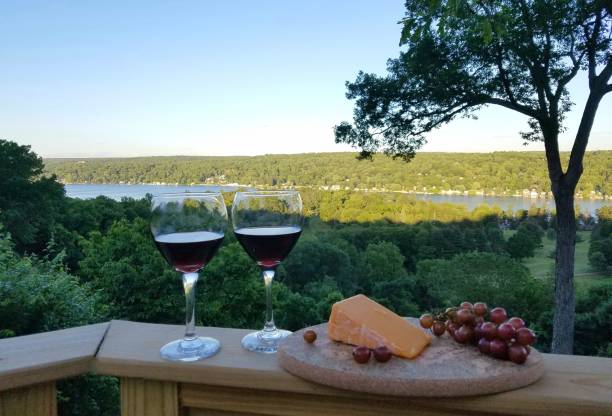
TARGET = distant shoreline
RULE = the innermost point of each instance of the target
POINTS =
(529, 195)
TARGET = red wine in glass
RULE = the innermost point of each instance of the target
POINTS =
(268, 246)
(189, 252)
(267, 224)
(188, 229)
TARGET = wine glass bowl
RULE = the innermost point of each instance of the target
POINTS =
(188, 229)
(267, 224)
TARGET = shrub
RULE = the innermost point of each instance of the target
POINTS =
(495, 279)
(38, 295)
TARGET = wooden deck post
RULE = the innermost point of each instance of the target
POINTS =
(36, 400)
(140, 397)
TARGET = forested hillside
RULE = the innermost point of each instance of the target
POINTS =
(66, 262)
(501, 173)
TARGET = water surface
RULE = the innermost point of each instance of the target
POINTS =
(508, 203)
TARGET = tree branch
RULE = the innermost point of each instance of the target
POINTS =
(566, 79)
(591, 47)
(523, 109)
(575, 168)
(605, 74)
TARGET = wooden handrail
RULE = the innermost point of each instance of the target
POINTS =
(239, 381)
(49, 356)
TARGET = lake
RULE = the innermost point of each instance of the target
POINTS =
(118, 191)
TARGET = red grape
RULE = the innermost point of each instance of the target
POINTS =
(484, 346)
(489, 330)
(517, 323)
(382, 354)
(478, 331)
(361, 354)
(465, 316)
(451, 313)
(498, 315)
(506, 331)
(517, 354)
(466, 305)
(451, 327)
(426, 320)
(310, 336)
(525, 336)
(439, 328)
(527, 348)
(480, 308)
(464, 334)
(499, 348)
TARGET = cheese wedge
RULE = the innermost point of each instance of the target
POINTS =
(361, 321)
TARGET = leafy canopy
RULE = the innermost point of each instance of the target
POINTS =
(29, 204)
(464, 54)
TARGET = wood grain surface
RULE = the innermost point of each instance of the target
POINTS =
(444, 369)
(35, 400)
(48, 356)
(148, 398)
(238, 382)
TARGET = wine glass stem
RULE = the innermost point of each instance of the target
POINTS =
(268, 276)
(189, 284)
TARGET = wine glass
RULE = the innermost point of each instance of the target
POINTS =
(188, 229)
(267, 224)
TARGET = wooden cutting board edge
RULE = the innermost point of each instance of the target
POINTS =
(405, 387)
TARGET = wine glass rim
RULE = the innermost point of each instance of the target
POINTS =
(268, 193)
(186, 194)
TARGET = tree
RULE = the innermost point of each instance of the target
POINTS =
(486, 277)
(37, 295)
(521, 245)
(29, 203)
(462, 55)
(130, 275)
(381, 261)
(600, 249)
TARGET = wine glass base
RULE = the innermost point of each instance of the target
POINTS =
(192, 350)
(261, 341)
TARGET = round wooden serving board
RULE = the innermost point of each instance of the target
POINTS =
(445, 368)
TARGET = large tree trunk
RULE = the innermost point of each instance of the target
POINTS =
(563, 326)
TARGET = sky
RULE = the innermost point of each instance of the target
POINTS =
(115, 78)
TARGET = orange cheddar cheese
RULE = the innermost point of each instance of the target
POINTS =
(361, 321)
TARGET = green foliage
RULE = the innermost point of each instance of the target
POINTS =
(29, 203)
(398, 294)
(495, 279)
(81, 217)
(380, 262)
(231, 291)
(314, 260)
(600, 250)
(521, 245)
(503, 173)
(88, 395)
(130, 275)
(37, 295)
(594, 321)
(525, 241)
(492, 53)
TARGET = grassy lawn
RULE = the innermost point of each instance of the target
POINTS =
(541, 265)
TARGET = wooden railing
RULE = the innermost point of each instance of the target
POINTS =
(237, 382)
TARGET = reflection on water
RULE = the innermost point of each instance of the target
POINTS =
(510, 203)
(118, 191)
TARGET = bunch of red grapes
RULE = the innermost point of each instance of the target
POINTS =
(499, 337)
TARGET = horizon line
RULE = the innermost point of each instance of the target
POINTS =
(301, 154)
